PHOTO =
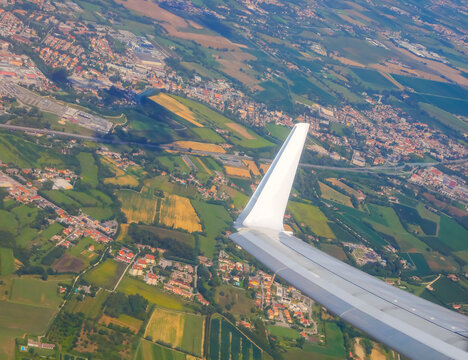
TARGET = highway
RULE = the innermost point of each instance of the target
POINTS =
(229, 157)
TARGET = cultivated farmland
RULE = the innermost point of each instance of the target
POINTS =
(240, 130)
(7, 261)
(177, 212)
(329, 193)
(175, 107)
(150, 351)
(215, 219)
(132, 286)
(311, 216)
(106, 274)
(200, 146)
(237, 171)
(34, 291)
(138, 206)
(227, 341)
(181, 330)
(252, 167)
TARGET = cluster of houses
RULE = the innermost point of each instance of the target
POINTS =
(180, 280)
(280, 304)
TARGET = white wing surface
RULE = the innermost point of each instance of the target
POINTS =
(411, 325)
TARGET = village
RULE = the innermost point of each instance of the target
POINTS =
(75, 226)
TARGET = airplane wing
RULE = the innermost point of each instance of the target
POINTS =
(411, 325)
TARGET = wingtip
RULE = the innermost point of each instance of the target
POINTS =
(267, 205)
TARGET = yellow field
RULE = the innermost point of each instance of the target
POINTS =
(236, 171)
(176, 107)
(177, 212)
(137, 207)
(120, 178)
(123, 321)
(343, 186)
(240, 130)
(129, 180)
(252, 167)
(200, 146)
(264, 168)
(166, 326)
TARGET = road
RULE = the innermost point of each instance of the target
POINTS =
(229, 157)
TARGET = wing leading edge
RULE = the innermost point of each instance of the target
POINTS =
(411, 325)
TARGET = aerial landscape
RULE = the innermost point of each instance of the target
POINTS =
(134, 132)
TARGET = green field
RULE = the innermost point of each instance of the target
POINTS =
(452, 105)
(331, 194)
(8, 221)
(312, 217)
(89, 169)
(446, 292)
(150, 351)
(7, 261)
(425, 86)
(91, 306)
(173, 163)
(452, 234)
(334, 250)
(93, 202)
(154, 295)
(16, 320)
(50, 231)
(164, 233)
(208, 135)
(333, 349)
(444, 117)
(34, 291)
(22, 153)
(284, 332)
(276, 95)
(354, 48)
(212, 164)
(106, 274)
(373, 79)
(279, 132)
(25, 214)
(419, 261)
(214, 219)
(25, 236)
(385, 220)
(30, 307)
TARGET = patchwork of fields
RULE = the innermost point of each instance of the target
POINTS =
(226, 341)
(29, 308)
